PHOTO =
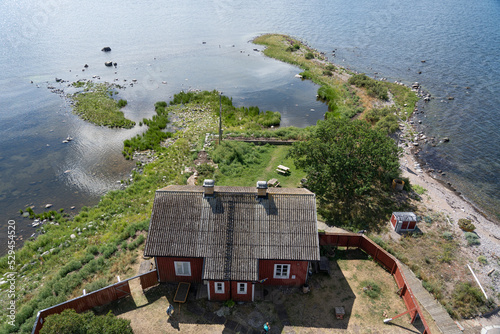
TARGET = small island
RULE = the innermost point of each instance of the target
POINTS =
(95, 103)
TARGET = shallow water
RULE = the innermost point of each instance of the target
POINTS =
(163, 41)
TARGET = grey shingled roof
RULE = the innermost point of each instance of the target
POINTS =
(405, 216)
(233, 229)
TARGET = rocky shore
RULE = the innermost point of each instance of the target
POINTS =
(440, 197)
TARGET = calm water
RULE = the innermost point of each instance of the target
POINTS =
(156, 41)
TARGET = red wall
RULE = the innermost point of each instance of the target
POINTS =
(393, 221)
(241, 297)
(220, 296)
(297, 268)
(166, 269)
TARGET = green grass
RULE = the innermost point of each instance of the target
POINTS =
(95, 104)
(418, 189)
(256, 163)
(341, 98)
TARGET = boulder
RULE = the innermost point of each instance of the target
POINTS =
(108, 63)
(446, 139)
(106, 49)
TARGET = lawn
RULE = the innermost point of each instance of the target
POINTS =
(265, 160)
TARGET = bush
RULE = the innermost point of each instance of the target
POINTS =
(309, 55)
(330, 95)
(373, 87)
(72, 266)
(467, 300)
(330, 67)
(121, 103)
(93, 250)
(96, 285)
(205, 171)
(472, 239)
(447, 235)
(371, 289)
(137, 242)
(466, 225)
(482, 259)
(68, 321)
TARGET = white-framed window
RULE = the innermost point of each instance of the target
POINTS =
(281, 271)
(219, 287)
(182, 268)
(242, 288)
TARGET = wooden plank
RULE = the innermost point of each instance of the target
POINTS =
(182, 292)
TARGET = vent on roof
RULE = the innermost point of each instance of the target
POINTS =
(261, 188)
(209, 187)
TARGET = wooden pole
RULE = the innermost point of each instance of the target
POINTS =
(220, 118)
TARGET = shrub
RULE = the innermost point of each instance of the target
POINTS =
(121, 103)
(467, 300)
(371, 289)
(447, 235)
(328, 73)
(373, 87)
(93, 250)
(108, 250)
(68, 321)
(483, 260)
(472, 239)
(418, 189)
(136, 243)
(330, 95)
(306, 74)
(309, 55)
(229, 303)
(72, 266)
(96, 285)
(466, 225)
(205, 171)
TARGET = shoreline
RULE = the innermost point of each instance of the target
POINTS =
(440, 197)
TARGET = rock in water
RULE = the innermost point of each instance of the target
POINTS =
(108, 63)
(106, 49)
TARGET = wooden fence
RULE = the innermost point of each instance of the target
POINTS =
(96, 298)
(385, 259)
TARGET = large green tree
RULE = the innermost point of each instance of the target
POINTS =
(349, 166)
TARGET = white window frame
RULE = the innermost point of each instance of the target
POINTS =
(216, 287)
(244, 285)
(182, 268)
(278, 271)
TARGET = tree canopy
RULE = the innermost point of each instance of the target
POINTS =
(68, 321)
(349, 166)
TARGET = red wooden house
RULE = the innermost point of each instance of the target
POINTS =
(404, 221)
(232, 238)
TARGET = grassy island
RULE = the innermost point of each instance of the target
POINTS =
(94, 103)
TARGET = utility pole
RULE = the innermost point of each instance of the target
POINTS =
(220, 118)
